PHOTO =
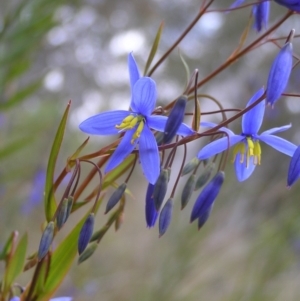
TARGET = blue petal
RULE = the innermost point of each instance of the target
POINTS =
(184, 130)
(218, 146)
(62, 299)
(212, 125)
(252, 120)
(241, 170)
(277, 130)
(149, 155)
(134, 75)
(103, 123)
(279, 144)
(124, 148)
(144, 96)
(157, 122)
(236, 3)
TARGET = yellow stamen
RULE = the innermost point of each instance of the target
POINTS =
(128, 122)
(138, 131)
(248, 149)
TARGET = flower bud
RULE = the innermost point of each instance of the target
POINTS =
(62, 214)
(115, 197)
(86, 233)
(190, 166)
(207, 196)
(88, 252)
(294, 168)
(70, 206)
(279, 73)
(204, 217)
(188, 190)
(150, 210)
(175, 119)
(160, 188)
(261, 15)
(204, 177)
(165, 217)
(46, 240)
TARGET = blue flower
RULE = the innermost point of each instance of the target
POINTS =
(280, 73)
(247, 151)
(290, 4)
(136, 124)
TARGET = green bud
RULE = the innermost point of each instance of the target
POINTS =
(160, 188)
(188, 190)
(88, 252)
(190, 166)
(62, 214)
(46, 240)
(204, 177)
(165, 217)
(70, 205)
(115, 197)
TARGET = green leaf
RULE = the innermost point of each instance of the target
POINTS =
(186, 68)
(20, 95)
(62, 259)
(15, 264)
(154, 48)
(8, 246)
(49, 201)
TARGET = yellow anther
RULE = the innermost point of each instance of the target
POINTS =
(138, 131)
(247, 150)
(257, 152)
(241, 149)
(128, 123)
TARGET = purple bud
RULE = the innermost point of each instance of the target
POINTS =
(188, 190)
(175, 119)
(86, 233)
(294, 168)
(150, 210)
(46, 240)
(207, 196)
(279, 73)
(115, 197)
(204, 217)
(290, 4)
(160, 188)
(165, 217)
(261, 15)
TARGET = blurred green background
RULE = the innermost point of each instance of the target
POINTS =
(54, 51)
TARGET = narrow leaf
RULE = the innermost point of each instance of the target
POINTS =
(16, 263)
(154, 48)
(196, 116)
(49, 201)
